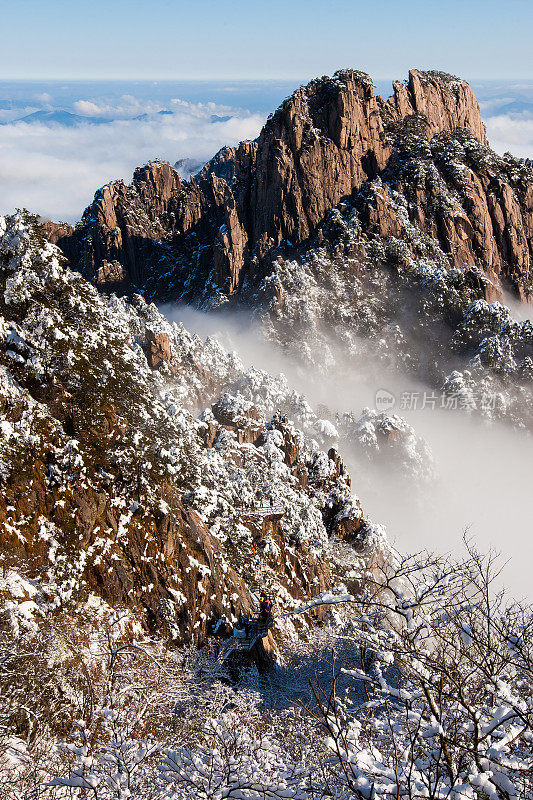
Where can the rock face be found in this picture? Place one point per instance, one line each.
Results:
(329, 140)
(476, 207)
(158, 349)
(445, 102)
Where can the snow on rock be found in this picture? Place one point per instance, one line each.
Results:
(111, 482)
(390, 436)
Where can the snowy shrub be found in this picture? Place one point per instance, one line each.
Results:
(442, 705)
(234, 761)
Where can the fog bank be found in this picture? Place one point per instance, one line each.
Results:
(483, 471)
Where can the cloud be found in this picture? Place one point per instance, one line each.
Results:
(511, 133)
(44, 97)
(87, 108)
(54, 171)
(125, 106)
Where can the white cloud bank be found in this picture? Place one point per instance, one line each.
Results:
(511, 133)
(55, 170)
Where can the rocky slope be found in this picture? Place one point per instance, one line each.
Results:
(114, 493)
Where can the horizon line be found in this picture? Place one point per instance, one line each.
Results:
(40, 79)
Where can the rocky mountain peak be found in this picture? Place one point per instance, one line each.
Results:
(325, 145)
(447, 103)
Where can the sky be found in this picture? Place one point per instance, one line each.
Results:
(295, 39)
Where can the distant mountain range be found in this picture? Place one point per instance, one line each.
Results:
(522, 107)
(69, 120)
(57, 117)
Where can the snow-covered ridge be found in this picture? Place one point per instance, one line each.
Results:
(109, 477)
(358, 301)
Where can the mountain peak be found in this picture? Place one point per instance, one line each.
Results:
(322, 146)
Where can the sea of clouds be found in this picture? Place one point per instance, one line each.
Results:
(53, 166)
(54, 169)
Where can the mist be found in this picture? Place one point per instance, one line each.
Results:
(520, 312)
(483, 471)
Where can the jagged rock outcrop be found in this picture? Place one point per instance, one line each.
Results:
(476, 207)
(445, 102)
(329, 140)
(158, 350)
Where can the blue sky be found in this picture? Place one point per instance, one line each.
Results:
(295, 39)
